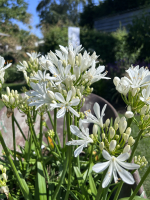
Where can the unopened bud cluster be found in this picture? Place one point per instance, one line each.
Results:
(116, 137)
(140, 161)
(3, 180)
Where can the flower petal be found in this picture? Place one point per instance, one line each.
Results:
(59, 97)
(126, 165)
(108, 176)
(96, 109)
(100, 167)
(76, 142)
(78, 150)
(73, 111)
(123, 157)
(61, 112)
(125, 175)
(106, 155)
(74, 102)
(69, 96)
(75, 130)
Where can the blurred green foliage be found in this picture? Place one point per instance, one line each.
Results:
(138, 36)
(102, 43)
(53, 37)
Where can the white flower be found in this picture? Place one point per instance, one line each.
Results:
(2, 68)
(94, 75)
(84, 135)
(45, 62)
(23, 66)
(92, 119)
(146, 95)
(65, 105)
(123, 86)
(41, 77)
(139, 77)
(60, 73)
(39, 96)
(33, 56)
(116, 165)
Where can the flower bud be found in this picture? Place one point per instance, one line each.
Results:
(116, 127)
(111, 132)
(95, 129)
(13, 92)
(143, 110)
(4, 170)
(131, 141)
(128, 131)
(146, 117)
(103, 135)
(126, 149)
(76, 71)
(51, 94)
(122, 125)
(12, 100)
(129, 108)
(107, 122)
(125, 137)
(129, 114)
(101, 146)
(112, 145)
(25, 64)
(1, 167)
(117, 120)
(4, 176)
(116, 81)
(117, 137)
(8, 90)
(134, 91)
(73, 91)
(71, 58)
(5, 98)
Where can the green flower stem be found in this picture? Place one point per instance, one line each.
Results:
(23, 187)
(20, 128)
(130, 159)
(69, 149)
(55, 127)
(140, 184)
(100, 189)
(105, 193)
(77, 158)
(41, 129)
(62, 177)
(64, 137)
(112, 192)
(135, 145)
(38, 147)
(50, 118)
(56, 147)
(14, 138)
(10, 197)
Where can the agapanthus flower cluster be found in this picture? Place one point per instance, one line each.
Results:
(59, 80)
(13, 99)
(114, 144)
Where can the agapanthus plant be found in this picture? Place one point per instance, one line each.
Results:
(87, 164)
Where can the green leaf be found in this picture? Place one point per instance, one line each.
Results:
(135, 198)
(81, 183)
(41, 182)
(92, 185)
